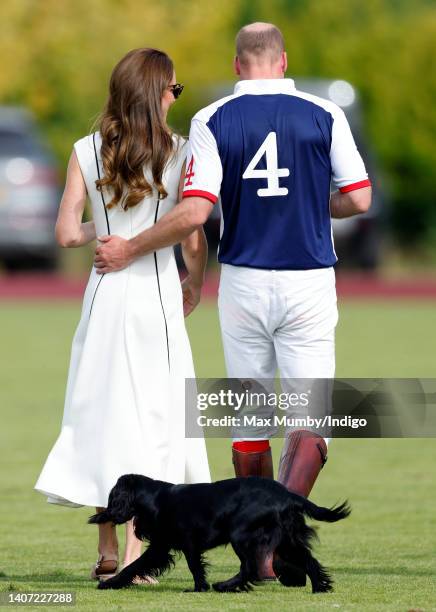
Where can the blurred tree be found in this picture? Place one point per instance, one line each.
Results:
(59, 55)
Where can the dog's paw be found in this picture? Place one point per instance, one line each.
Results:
(221, 587)
(244, 588)
(202, 588)
(324, 584)
(324, 587)
(112, 583)
(289, 575)
(227, 587)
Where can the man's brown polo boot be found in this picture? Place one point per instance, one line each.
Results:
(303, 456)
(256, 463)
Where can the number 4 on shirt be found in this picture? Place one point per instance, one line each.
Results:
(272, 173)
(189, 172)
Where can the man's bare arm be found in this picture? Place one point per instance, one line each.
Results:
(115, 253)
(194, 253)
(351, 203)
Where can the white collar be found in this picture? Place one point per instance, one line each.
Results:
(264, 86)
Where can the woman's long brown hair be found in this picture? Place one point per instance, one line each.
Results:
(133, 130)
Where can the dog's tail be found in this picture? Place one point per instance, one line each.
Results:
(329, 515)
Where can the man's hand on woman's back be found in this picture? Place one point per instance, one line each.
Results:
(112, 254)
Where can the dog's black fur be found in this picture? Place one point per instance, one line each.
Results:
(256, 515)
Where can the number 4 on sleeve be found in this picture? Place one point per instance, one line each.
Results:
(189, 172)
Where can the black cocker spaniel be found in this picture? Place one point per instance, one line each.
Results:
(255, 515)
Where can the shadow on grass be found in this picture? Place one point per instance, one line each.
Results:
(62, 580)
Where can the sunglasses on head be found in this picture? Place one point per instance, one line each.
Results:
(176, 89)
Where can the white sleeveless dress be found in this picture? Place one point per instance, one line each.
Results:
(125, 399)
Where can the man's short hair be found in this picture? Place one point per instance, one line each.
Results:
(258, 42)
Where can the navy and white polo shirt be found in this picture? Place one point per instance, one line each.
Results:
(270, 152)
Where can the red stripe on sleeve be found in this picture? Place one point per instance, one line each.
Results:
(200, 194)
(354, 186)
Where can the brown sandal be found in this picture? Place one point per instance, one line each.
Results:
(104, 568)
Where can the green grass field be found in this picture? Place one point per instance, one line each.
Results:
(382, 557)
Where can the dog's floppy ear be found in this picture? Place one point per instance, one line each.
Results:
(122, 499)
(121, 504)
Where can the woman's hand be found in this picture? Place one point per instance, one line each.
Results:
(191, 295)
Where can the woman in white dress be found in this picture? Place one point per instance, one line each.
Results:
(125, 398)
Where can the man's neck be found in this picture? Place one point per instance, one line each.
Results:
(254, 73)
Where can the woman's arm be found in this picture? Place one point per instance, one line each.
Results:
(70, 231)
(194, 253)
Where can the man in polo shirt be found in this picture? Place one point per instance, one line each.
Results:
(270, 152)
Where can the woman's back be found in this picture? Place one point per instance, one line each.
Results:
(116, 220)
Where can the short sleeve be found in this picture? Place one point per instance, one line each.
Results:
(203, 164)
(348, 169)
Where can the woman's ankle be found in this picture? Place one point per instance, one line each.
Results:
(108, 552)
(130, 558)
